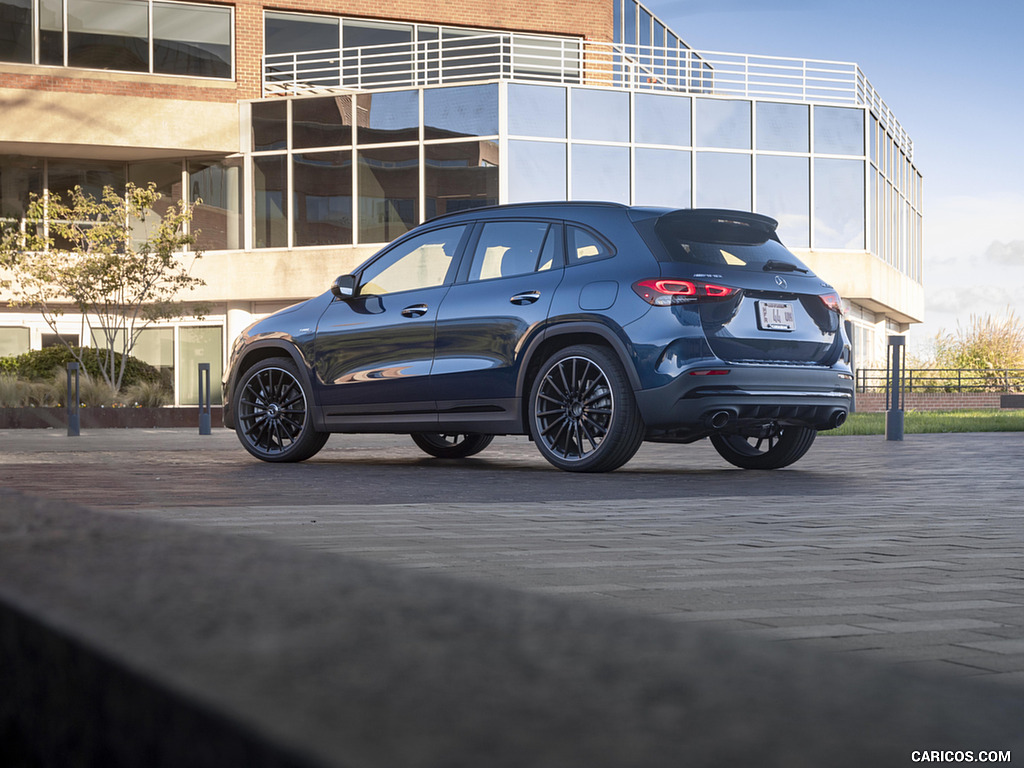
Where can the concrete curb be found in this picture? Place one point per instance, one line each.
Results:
(129, 642)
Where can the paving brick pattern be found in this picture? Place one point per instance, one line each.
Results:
(910, 552)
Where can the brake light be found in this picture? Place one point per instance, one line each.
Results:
(663, 292)
(832, 301)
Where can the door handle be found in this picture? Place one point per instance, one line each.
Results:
(416, 310)
(528, 297)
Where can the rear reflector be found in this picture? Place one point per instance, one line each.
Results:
(711, 372)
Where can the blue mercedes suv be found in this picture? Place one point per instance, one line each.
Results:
(589, 327)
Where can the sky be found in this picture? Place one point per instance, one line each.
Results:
(953, 75)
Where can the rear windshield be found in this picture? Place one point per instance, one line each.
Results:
(721, 243)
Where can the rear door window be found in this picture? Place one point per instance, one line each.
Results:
(508, 248)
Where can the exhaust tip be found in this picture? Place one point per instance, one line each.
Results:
(837, 420)
(719, 419)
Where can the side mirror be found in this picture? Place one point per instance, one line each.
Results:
(344, 287)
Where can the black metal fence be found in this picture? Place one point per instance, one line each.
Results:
(945, 380)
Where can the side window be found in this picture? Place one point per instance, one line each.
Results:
(582, 245)
(507, 248)
(421, 262)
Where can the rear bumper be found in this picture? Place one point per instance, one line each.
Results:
(695, 403)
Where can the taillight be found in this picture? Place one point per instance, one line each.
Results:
(832, 301)
(663, 292)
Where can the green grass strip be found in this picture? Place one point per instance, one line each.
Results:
(920, 422)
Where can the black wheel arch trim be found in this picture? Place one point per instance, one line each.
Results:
(576, 327)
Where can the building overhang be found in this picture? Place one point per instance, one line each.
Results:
(866, 280)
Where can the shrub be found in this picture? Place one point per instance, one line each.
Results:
(147, 395)
(13, 391)
(39, 365)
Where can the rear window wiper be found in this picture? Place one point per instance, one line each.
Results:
(782, 266)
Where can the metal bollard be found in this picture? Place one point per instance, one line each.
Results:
(894, 389)
(204, 399)
(73, 402)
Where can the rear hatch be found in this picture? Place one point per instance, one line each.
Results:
(763, 305)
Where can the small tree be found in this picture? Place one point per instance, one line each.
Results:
(115, 260)
(988, 344)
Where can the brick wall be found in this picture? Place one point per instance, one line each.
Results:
(591, 19)
(873, 402)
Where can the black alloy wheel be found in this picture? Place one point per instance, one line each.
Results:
(583, 414)
(445, 445)
(272, 418)
(772, 448)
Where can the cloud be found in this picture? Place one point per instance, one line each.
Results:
(1011, 253)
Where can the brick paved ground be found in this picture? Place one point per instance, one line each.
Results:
(902, 551)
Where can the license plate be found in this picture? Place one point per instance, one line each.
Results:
(775, 316)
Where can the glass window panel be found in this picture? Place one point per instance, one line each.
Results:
(322, 200)
(873, 130)
(584, 245)
(838, 204)
(269, 125)
(723, 123)
(16, 30)
(470, 54)
(463, 111)
(838, 131)
(723, 180)
(167, 177)
(51, 32)
(217, 220)
(783, 127)
(289, 33)
(422, 261)
(460, 176)
(200, 344)
(629, 21)
(14, 341)
(661, 177)
(191, 40)
(387, 117)
(384, 55)
(63, 176)
(389, 192)
(536, 110)
(156, 347)
(784, 193)
(661, 119)
(108, 34)
(20, 177)
(644, 27)
(508, 248)
(600, 173)
(270, 187)
(323, 122)
(600, 115)
(545, 58)
(536, 171)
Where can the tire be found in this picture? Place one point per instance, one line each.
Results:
(272, 413)
(777, 447)
(446, 445)
(583, 414)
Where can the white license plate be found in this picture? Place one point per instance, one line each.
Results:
(776, 316)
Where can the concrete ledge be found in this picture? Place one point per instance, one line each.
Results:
(127, 642)
(107, 418)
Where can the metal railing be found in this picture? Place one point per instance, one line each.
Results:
(944, 380)
(511, 56)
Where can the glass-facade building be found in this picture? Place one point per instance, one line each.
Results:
(361, 129)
